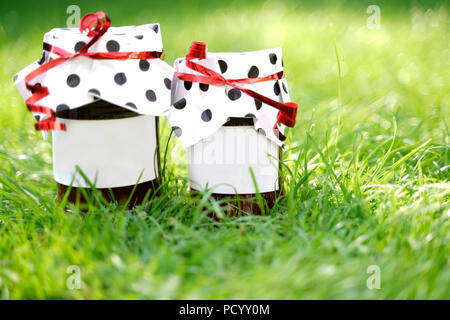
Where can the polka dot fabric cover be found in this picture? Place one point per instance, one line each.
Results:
(138, 85)
(198, 110)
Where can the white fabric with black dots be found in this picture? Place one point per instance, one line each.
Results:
(198, 110)
(142, 86)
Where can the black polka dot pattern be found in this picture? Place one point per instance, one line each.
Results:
(180, 104)
(258, 104)
(261, 131)
(73, 80)
(253, 72)
(284, 87)
(38, 118)
(79, 45)
(223, 66)
(187, 85)
(273, 58)
(234, 94)
(155, 28)
(120, 78)
(250, 115)
(276, 88)
(150, 95)
(15, 78)
(62, 107)
(204, 87)
(144, 65)
(206, 115)
(139, 37)
(94, 92)
(112, 46)
(177, 131)
(168, 83)
(131, 105)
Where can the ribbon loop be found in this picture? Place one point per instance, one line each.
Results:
(93, 23)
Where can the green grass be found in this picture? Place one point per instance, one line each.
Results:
(367, 170)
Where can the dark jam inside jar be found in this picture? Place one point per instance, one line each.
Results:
(247, 203)
(97, 110)
(103, 110)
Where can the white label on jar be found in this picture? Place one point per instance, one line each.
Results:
(111, 153)
(222, 162)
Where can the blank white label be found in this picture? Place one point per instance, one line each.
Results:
(111, 153)
(222, 161)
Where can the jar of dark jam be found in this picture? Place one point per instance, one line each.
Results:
(106, 148)
(231, 181)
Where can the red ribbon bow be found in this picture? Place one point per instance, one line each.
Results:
(96, 25)
(287, 111)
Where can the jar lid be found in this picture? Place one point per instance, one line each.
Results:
(140, 86)
(198, 109)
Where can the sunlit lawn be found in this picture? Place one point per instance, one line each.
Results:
(368, 169)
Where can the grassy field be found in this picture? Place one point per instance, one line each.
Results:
(367, 166)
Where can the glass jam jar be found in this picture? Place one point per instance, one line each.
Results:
(106, 148)
(222, 163)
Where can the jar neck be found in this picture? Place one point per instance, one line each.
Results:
(97, 110)
(239, 122)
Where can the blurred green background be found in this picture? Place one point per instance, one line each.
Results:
(368, 159)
